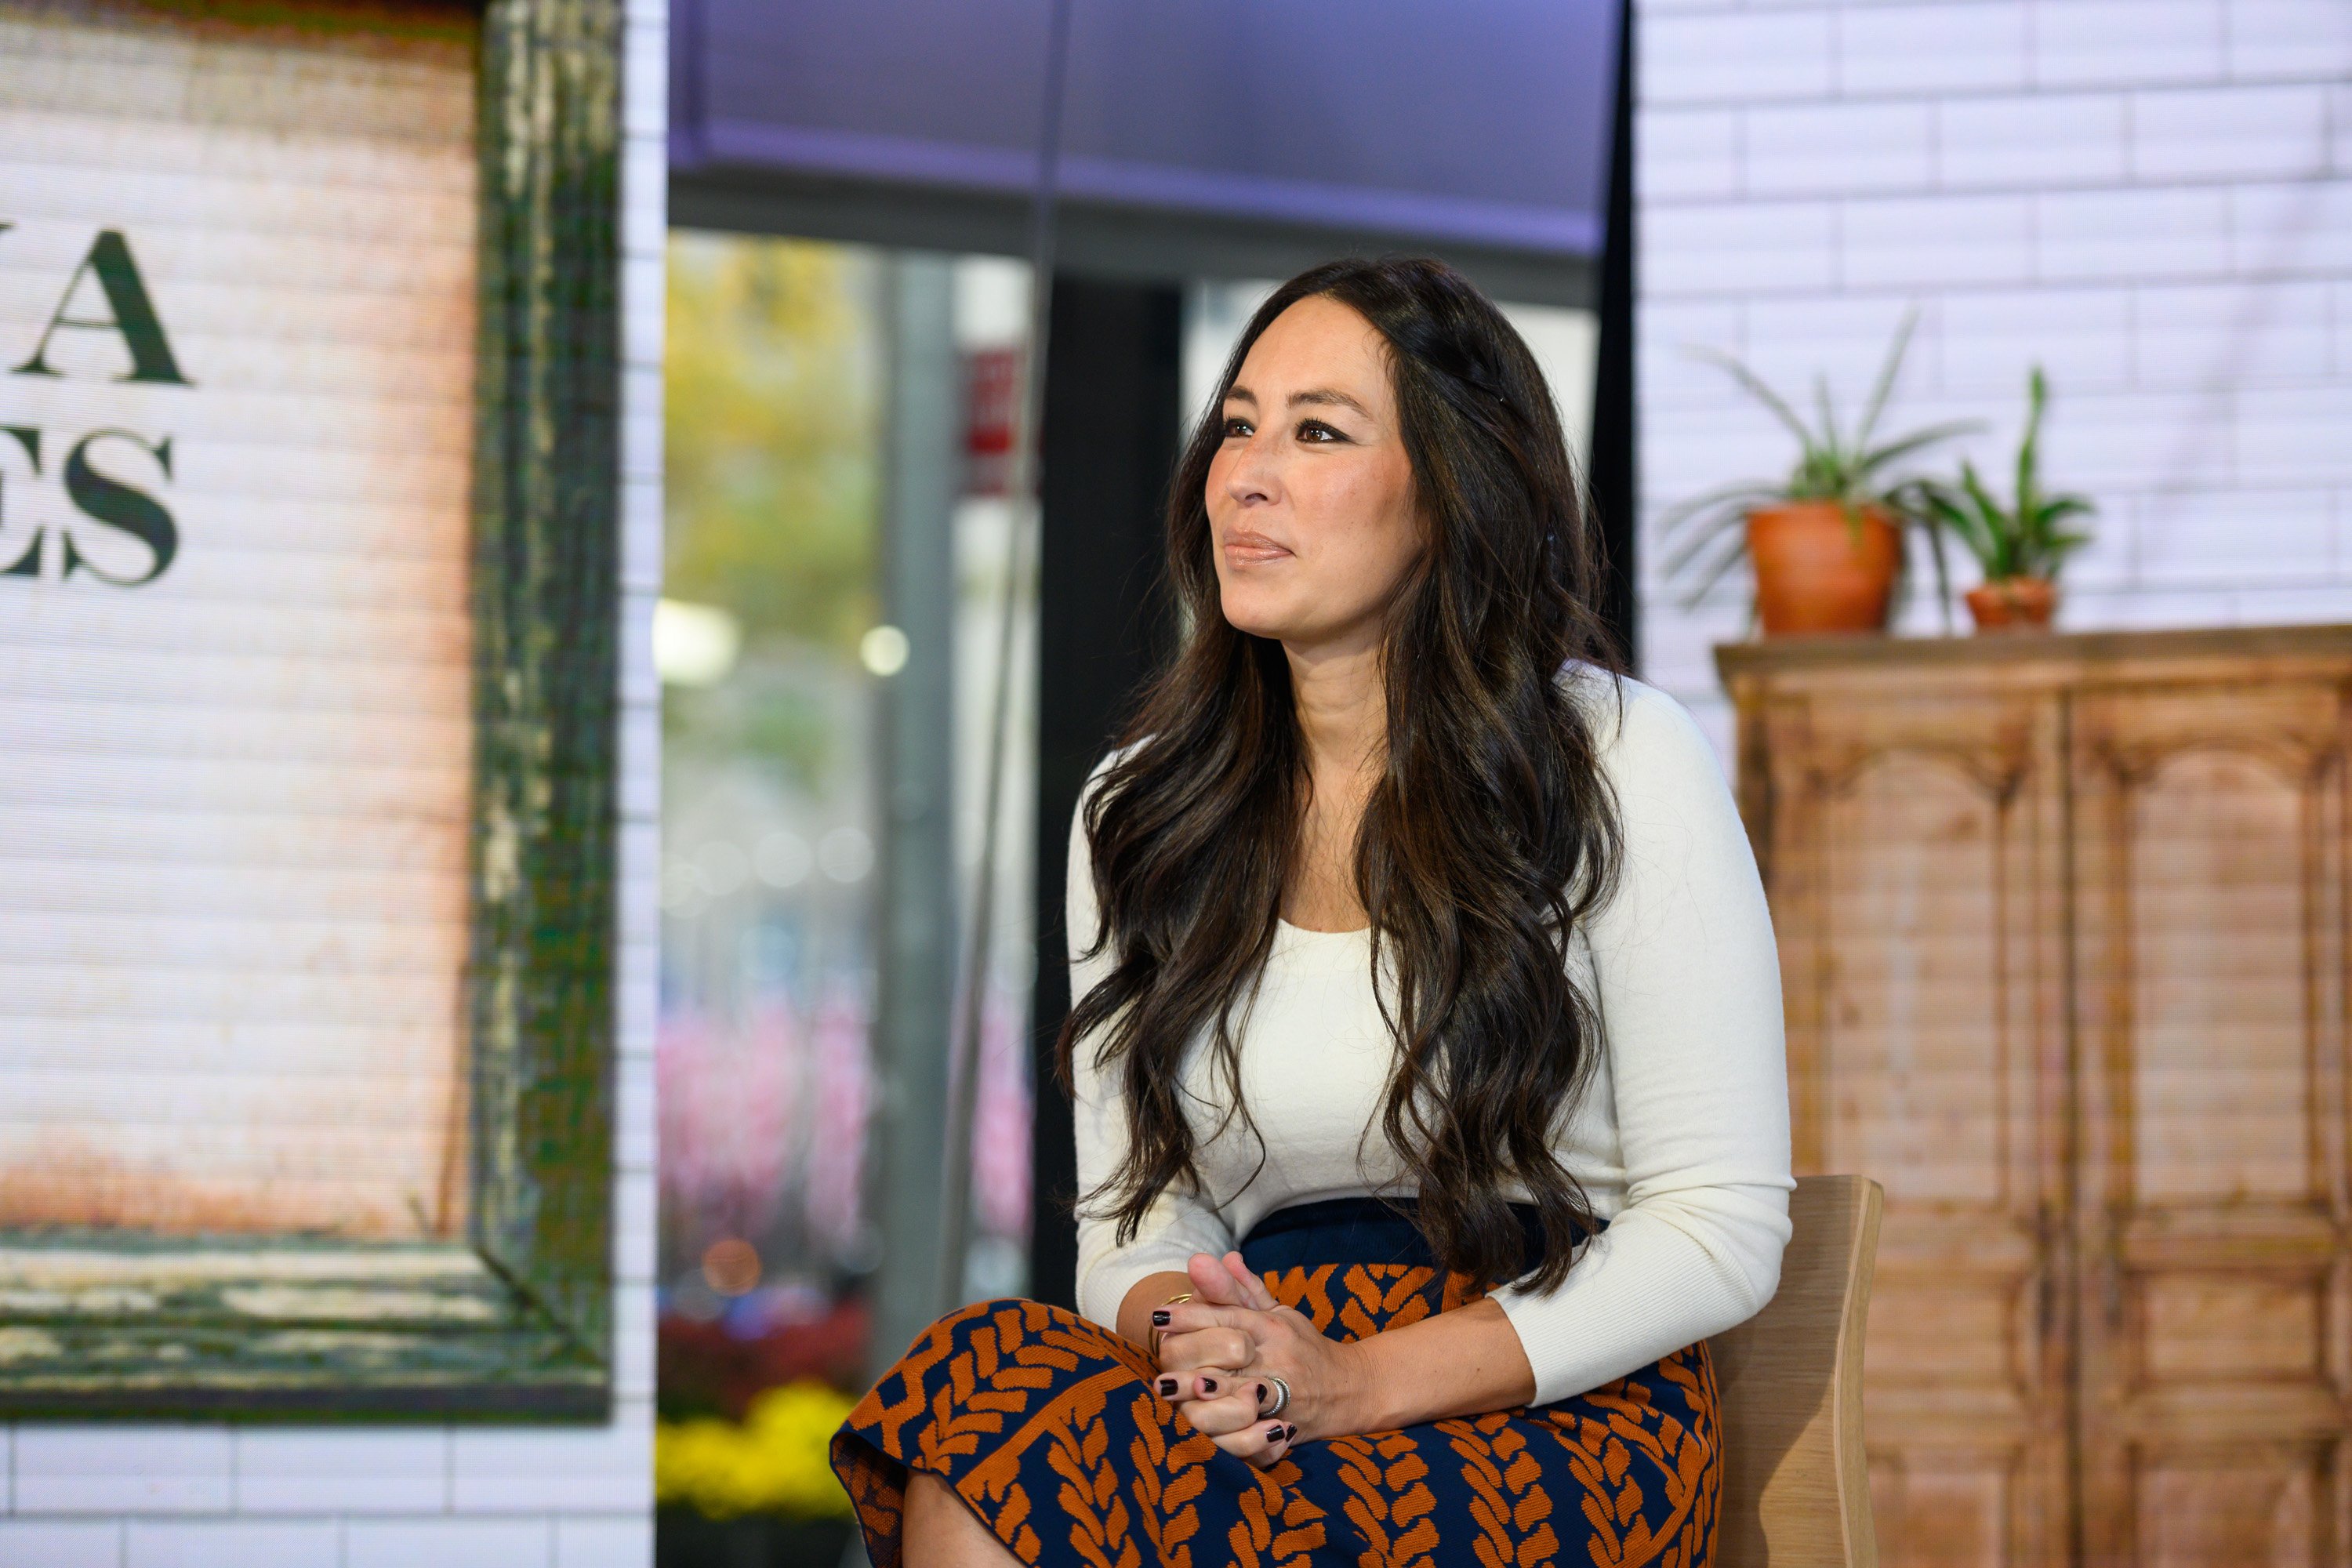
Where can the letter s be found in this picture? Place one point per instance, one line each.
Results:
(118, 505)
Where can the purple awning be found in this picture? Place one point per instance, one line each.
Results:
(1479, 122)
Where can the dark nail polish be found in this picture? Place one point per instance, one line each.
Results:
(1168, 1387)
(1262, 1394)
(1288, 1433)
(1158, 1319)
(1208, 1385)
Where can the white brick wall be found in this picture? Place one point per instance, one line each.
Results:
(202, 1496)
(2152, 198)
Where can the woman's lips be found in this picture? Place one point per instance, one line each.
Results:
(1252, 547)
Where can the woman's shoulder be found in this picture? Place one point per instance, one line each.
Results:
(1079, 849)
(1101, 769)
(1637, 728)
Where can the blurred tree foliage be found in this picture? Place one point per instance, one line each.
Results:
(775, 365)
(773, 373)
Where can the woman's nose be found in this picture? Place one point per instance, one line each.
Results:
(1251, 476)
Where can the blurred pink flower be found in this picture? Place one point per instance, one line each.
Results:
(1000, 1133)
(841, 1098)
(727, 1100)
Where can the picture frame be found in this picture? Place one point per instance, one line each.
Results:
(513, 1323)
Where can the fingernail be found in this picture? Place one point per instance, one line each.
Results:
(1208, 1385)
(1288, 1433)
(1261, 1394)
(1158, 1319)
(1168, 1387)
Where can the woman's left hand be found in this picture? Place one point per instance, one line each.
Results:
(1218, 1351)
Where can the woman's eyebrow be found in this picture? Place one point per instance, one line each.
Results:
(1324, 397)
(1329, 396)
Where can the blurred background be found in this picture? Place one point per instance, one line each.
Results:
(2042, 302)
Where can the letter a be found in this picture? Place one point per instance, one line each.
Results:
(134, 314)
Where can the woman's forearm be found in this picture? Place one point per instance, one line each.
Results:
(1462, 1363)
(1151, 1290)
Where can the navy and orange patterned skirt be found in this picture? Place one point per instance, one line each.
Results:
(1047, 1425)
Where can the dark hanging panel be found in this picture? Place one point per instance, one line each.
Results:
(1110, 435)
(1614, 473)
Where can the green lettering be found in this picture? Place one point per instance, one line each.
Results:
(133, 315)
(118, 505)
(28, 565)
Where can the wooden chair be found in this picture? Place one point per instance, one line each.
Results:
(1795, 1492)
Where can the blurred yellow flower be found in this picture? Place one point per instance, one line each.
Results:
(775, 1462)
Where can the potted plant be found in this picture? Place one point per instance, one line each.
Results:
(1826, 542)
(2020, 546)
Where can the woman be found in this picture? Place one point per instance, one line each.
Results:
(1424, 954)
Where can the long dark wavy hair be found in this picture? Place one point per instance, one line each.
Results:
(1488, 837)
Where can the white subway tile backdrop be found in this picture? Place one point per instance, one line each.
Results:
(1912, 51)
(361, 1472)
(2106, 236)
(2128, 43)
(2289, 40)
(446, 1543)
(1730, 249)
(62, 1543)
(2081, 336)
(1935, 241)
(1690, 155)
(2274, 131)
(2150, 198)
(195, 1495)
(233, 1543)
(1836, 148)
(2026, 142)
(1725, 56)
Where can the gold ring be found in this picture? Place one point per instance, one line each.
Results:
(1172, 1301)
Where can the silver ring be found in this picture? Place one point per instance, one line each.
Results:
(1281, 1398)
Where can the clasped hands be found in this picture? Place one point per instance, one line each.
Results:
(1218, 1351)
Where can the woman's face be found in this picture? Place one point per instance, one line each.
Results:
(1311, 509)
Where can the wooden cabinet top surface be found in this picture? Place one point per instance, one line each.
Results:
(2045, 658)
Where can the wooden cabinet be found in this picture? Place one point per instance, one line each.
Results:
(2064, 940)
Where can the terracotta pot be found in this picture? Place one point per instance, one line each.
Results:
(1815, 572)
(2014, 604)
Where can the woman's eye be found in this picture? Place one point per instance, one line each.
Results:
(1317, 431)
(1237, 427)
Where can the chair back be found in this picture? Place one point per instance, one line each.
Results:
(1796, 1493)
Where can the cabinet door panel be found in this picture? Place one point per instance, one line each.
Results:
(1913, 864)
(2209, 832)
(2213, 1229)
(1944, 1510)
(2218, 1508)
(1912, 1047)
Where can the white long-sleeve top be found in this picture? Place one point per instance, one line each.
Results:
(1681, 1139)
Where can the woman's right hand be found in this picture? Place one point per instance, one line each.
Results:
(1220, 1405)
(1225, 1410)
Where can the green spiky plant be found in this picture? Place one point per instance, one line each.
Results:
(2021, 539)
(1707, 535)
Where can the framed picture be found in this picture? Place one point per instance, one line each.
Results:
(308, 694)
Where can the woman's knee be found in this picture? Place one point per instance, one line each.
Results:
(941, 1532)
(996, 1305)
